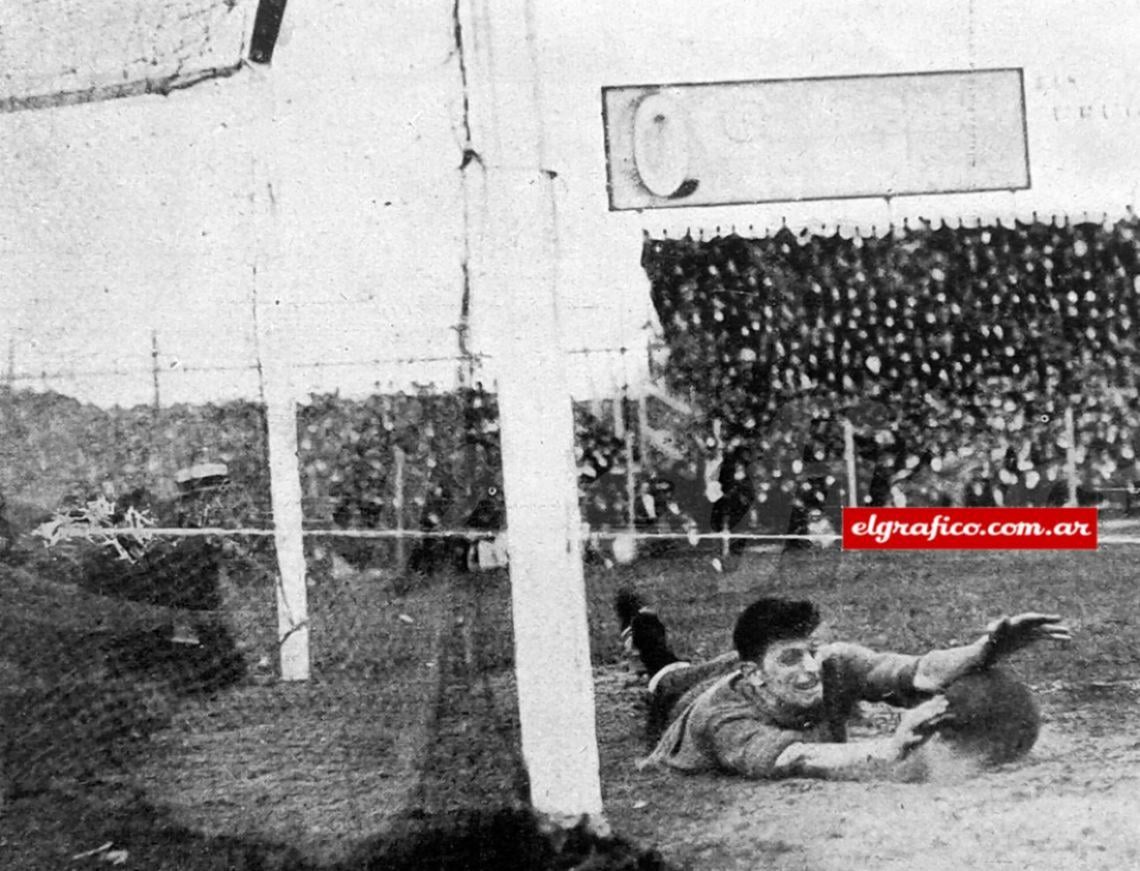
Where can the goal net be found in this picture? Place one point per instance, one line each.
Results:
(59, 52)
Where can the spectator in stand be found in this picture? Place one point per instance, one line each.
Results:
(737, 492)
(958, 318)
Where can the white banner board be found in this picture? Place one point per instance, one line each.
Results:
(821, 138)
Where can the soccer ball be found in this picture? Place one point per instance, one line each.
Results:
(995, 717)
(995, 721)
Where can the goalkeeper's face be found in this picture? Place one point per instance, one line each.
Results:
(791, 672)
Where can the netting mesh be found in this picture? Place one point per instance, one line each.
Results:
(141, 703)
(57, 50)
(147, 665)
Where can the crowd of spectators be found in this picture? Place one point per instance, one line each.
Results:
(955, 352)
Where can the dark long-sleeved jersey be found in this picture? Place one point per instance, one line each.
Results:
(716, 725)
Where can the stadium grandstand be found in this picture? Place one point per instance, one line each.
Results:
(970, 342)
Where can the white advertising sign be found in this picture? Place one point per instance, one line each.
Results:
(815, 138)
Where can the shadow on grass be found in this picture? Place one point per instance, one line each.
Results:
(64, 829)
(504, 839)
(72, 745)
(93, 722)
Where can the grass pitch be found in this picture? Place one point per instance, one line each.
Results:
(411, 714)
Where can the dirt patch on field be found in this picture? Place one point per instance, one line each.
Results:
(1071, 804)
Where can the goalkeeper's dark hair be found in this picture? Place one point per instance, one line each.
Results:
(768, 620)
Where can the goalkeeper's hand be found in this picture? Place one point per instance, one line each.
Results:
(1007, 635)
(919, 723)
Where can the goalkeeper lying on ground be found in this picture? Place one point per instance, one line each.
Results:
(780, 705)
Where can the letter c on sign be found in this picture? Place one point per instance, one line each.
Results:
(661, 147)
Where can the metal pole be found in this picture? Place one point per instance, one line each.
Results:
(154, 368)
(273, 270)
(285, 494)
(630, 475)
(643, 425)
(849, 456)
(514, 251)
(618, 416)
(399, 458)
(1071, 454)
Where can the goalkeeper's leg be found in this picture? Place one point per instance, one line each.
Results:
(670, 677)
